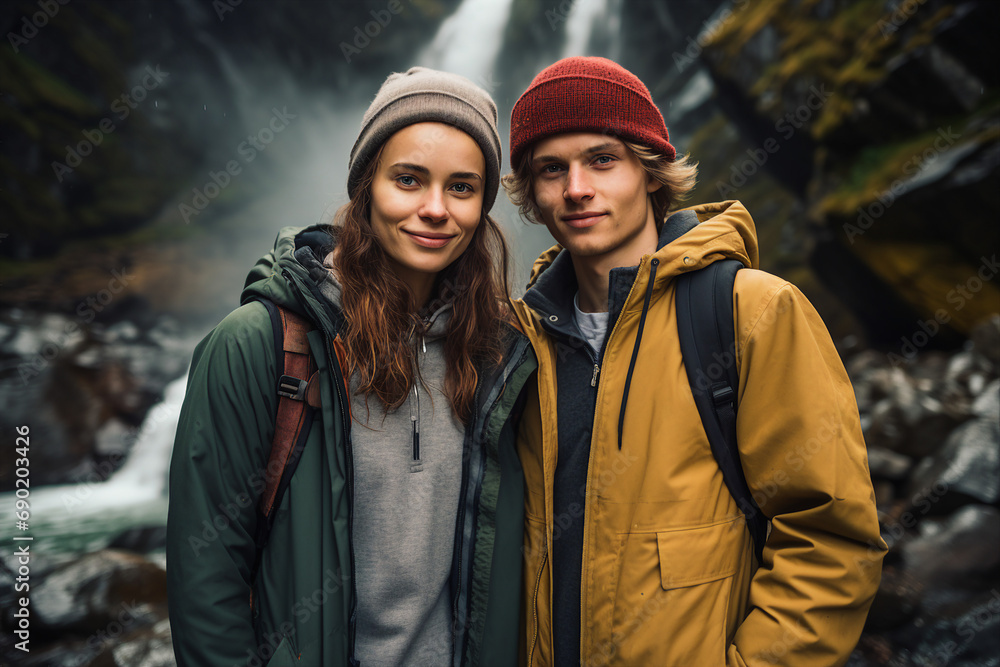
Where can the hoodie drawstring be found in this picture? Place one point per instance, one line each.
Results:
(415, 419)
(635, 350)
(415, 463)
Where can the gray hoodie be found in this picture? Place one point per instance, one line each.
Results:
(407, 479)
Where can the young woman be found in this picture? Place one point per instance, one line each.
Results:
(397, 540)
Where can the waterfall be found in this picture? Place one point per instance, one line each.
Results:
(144, 473)
(69, 518)
(469, 41)
(592, 20)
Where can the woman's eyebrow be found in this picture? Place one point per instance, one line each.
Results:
(424, 170)
(410, 166)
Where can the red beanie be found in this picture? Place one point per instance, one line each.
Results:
(587, 94)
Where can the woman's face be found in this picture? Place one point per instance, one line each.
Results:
(427, 199)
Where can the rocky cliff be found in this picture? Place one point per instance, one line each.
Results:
(882, 122)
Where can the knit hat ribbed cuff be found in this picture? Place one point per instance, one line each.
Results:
(587, 94)
(426, 95)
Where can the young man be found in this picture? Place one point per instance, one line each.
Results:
(635, 551)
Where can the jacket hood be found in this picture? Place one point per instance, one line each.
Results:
(690, 239)
(297, 255)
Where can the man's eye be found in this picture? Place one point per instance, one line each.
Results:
(604, 159)
(551, 168)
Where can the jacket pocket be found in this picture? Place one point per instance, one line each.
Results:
(673, 594)
(699, 555)
(283, 655)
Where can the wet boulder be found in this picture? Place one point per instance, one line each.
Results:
(906, 414)
(967, 468)
(887, 464)
(986, 338)
(108, 591)
(141, 539)
(146, 647)
(956, 551)
(961, 633)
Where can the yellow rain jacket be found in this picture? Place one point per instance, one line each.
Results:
(669, 577)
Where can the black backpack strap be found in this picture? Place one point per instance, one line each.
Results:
(298, 398)
(705, 326)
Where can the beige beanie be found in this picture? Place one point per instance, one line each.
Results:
(419, 95)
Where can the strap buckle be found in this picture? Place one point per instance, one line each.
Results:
(291, 387)
(723, 395)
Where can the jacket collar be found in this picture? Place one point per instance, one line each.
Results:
(553, 291)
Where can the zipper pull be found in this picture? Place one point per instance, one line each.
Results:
(423, 344)
(593, 380)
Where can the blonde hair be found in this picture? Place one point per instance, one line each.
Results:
(678, 178)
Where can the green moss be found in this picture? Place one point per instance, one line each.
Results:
(732, 35)
(117, 24)
(34, 84)
(10, 117)
(717, 147)
(847, 51)
(431, 9)
(878, 166)
(153, 235)
(925, 274)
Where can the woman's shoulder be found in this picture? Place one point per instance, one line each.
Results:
(243, 337)
(251, 318)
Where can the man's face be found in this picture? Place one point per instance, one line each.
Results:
(592, 194)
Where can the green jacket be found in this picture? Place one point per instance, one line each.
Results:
(304, 594)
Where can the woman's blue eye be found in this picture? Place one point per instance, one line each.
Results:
(406, 180)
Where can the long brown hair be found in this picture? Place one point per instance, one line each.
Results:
(379, 327)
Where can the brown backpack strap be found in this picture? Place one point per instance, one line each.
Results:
(297, 388)
(298, 396)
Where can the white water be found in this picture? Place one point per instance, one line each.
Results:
(588, 17)
(68, 518)
(469, 41)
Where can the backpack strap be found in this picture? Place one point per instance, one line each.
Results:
(298, 398)
(705, 325)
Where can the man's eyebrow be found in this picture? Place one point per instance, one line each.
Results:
(609, 145)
